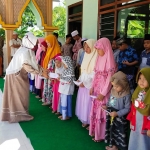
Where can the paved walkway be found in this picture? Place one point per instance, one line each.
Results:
(12, 136)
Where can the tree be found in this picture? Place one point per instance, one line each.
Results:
(59, 19)
(28, 18)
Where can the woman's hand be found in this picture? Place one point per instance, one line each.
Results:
(100, 97)
(91, 91)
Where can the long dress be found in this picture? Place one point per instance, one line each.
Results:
(56, 95)
(84, 101)
(48, 85)
(97, 115)
(16, 96)
(137, 140)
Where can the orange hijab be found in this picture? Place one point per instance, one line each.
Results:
(52, 51)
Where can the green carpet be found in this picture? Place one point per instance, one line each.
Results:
(47, 132)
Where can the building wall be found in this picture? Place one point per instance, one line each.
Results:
(89, 18)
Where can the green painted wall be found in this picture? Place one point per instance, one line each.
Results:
(90, 17)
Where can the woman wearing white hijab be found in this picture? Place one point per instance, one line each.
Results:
(83, 104)
(16, 88)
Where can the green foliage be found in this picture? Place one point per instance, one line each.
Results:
(37, 33)
(2, 32)
(28, 18)
(136, 29)
(59, 19)
(22, 31)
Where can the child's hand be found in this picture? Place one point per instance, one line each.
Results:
(46, 70)
(125, 62)
(100, 97)
(91, 91)
(81, 85)
(104, 107)
(148, 133)
(45, 75)
(113, 114)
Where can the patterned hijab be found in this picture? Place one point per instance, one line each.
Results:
(89, 60)
(146, 110)
(52, 51)
(68, 74)
(120, 79)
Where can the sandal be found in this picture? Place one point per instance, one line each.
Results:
(45, 104)
(97, 140)
(57, 113)
(53, 112)
(107, 147)
(37, 96)
(67, 118)
(84, 125)
(60, 117)
(111, 148)
(87, 128)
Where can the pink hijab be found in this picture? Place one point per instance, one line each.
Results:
(105, 63)
(39, 50)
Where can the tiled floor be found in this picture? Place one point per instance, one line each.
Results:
(12, 136)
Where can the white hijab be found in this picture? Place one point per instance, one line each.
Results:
(89, 60)
(24, 55)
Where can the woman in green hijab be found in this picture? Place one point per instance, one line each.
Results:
(139, 115)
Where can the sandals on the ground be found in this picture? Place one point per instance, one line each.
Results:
(97, 140)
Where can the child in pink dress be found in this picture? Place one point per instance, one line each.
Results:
(56, 95)
(105, 67)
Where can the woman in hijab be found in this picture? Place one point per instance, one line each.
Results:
(83, 104)
(105, 67)
(16, 88)
(53, 51)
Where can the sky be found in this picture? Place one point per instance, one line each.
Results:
(57, 3)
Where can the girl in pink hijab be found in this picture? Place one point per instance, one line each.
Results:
(105, 67)
(38, 79)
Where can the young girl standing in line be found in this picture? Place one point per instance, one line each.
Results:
(104, 69)
(139, 115)
(83, 104)
(56, 95)
(66, 88)
(118, 106)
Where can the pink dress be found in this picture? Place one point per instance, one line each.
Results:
(56, 95)
(105, 67)
(97, 115)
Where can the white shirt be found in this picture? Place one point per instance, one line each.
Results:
(66, 89)
(13, 41)
(87, 79)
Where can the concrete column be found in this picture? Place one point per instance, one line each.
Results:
(8, 35)
(49, 12)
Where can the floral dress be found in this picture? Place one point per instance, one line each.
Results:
(48, 85)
